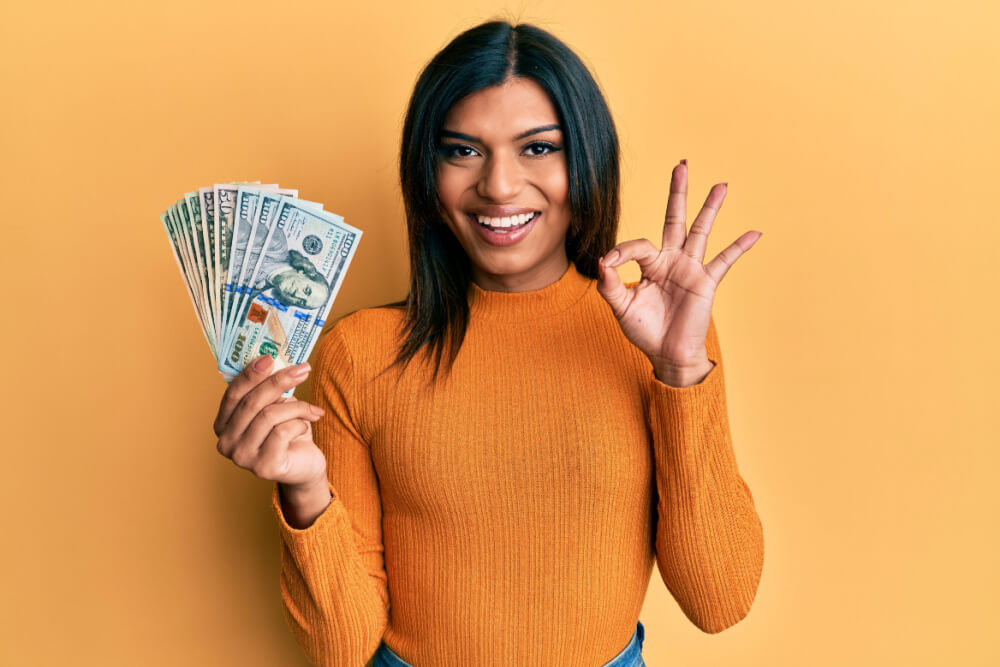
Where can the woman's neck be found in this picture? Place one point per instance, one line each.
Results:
(537, 278)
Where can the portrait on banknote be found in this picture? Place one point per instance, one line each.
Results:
(287, 275)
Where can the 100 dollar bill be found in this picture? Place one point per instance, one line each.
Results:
(305, 257)
(247, 247)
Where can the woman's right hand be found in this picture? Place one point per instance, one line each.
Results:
(269, 435)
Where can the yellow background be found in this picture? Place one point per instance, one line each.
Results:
(859, 334)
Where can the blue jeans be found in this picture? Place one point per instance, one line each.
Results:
(630, 656)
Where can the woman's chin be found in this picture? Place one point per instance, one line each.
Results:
(499, 270)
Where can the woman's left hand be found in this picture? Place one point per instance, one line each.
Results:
(667, 314)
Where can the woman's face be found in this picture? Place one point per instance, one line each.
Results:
(503, 185)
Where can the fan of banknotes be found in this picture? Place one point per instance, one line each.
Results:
(262, 268)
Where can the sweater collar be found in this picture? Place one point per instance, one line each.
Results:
(516, 306)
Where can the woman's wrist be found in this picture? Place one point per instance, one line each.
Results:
(684, 377)
(303, 503)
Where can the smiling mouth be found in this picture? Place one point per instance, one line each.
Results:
(504, 225)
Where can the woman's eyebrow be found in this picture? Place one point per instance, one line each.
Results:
(528, 133)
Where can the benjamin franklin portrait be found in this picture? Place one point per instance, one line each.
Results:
(286, 275)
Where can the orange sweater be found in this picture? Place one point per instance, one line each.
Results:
(512, 514)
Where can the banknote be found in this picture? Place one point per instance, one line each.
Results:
(181, 220)
(242, 220)
(261, 268)
(206, 197)
(225, 205)
(201, 243)
(306, 255)
(247, 247)
(192, 238)
(179, 254)
(224, 220)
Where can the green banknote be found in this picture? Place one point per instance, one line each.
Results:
(183, 223)
(298, 274)
(261, 208)
(261, 268)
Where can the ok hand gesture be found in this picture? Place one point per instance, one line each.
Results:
(667, 314)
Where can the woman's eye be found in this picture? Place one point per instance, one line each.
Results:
(539, 148)
(456, 150)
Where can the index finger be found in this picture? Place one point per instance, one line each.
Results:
(254, 373)
(675, 223)
(262, 394)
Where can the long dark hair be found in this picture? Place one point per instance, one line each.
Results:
(437, 307)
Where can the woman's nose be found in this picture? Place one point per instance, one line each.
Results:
(501, 179)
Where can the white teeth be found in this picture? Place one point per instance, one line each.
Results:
(512, 221)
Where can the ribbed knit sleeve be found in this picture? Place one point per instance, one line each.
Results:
(333, 582)
(709, 538)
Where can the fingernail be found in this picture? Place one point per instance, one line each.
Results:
(684, 162)
(300, 370)
(727, 185)
(611, 258)
(318, 411)
(262, 363)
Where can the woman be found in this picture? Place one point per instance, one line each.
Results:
(500, 458)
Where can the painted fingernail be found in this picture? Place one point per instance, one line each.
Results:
(262, 363)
